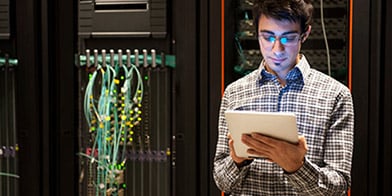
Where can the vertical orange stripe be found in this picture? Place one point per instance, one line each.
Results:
(350, 55)
(222, 52)
(350, 47)
(222, 46)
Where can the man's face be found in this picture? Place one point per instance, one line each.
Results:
(280, 43)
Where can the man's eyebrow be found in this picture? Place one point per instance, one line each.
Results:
(272, 33)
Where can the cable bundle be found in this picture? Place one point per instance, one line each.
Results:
(112, 107)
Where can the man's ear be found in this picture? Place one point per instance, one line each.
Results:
(306, 34)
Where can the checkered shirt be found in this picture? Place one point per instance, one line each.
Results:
(325, 116)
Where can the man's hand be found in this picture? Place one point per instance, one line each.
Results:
(237, 160)
(287, 155)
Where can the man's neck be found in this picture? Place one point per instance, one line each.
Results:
(280, 75)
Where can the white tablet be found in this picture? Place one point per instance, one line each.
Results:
(280, 125)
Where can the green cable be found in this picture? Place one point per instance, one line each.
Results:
(9, 175)
(108, 136)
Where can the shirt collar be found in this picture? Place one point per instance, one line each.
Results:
(298, 73)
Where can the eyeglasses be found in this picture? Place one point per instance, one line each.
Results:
(269, 40)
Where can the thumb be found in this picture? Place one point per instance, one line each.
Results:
(302, 142)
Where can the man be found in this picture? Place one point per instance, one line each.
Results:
(320, 163)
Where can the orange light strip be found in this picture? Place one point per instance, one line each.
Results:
(222, 53)
(350, 46)
(222, 46)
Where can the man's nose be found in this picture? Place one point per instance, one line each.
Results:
(277, 46)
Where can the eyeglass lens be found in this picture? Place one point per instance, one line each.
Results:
(285, 39)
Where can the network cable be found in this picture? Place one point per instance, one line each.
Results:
(325, 36)
(111, 117)
(9, 175)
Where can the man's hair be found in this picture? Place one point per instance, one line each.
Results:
(285, 10)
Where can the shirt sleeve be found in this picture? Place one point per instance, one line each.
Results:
(226, 173)
(333, 176)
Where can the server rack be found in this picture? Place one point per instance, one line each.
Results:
(9, 174)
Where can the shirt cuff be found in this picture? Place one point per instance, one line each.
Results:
(239, 171)
(304, 176)
(244, 163)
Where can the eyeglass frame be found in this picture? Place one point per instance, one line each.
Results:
(268, 42)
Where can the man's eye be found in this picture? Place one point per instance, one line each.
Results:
(290, 38)
(269, 38)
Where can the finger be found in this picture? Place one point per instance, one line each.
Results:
(231, 145)
(255, 143)
(264, 139)
(302, 140)
(262, 154)
(249, 140)
(260, 147)
(233, 154)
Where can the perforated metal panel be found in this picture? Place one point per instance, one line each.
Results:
(5, 19)
(122, 18)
